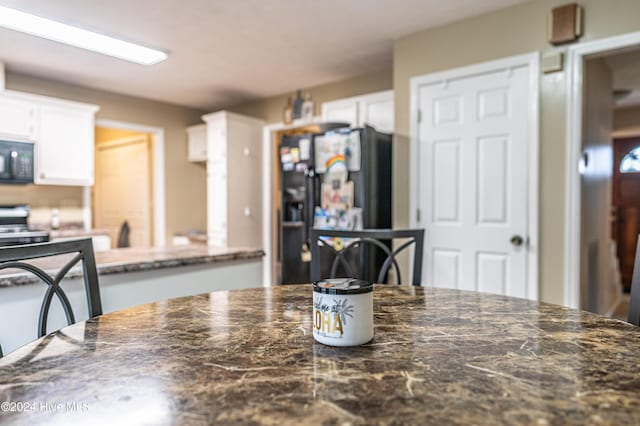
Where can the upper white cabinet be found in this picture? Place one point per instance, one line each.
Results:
(65, 145)
(17, 118)
(197, 136)
(344, 110)
(62, 131)
(234, 179)
(375, 109)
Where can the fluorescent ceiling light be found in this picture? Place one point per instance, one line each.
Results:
(56, 31)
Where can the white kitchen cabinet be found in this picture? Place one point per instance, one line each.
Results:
(375, 109)
(65, 144)
(197, 138)
(17, 118)
(343, 111)
(234, 180)
(62, 132)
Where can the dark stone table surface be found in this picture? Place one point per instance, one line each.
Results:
(248, 357)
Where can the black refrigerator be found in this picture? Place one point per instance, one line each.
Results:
(306, 168)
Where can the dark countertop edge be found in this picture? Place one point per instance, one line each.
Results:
(15, 280)
(116, 268)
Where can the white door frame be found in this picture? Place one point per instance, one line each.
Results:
(533, 62)
(267, 167)
(159, 211)
(573, 200)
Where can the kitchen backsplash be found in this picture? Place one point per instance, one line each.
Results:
(43, 199)
(68, 217)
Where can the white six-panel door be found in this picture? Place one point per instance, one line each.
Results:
(473, 137)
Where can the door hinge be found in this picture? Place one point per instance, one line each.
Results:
(419, 116)
(417, 215)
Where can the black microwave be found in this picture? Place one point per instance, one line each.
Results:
(16, 162)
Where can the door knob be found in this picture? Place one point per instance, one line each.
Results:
(517, 240)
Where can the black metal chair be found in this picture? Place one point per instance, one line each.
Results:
(634, 303)
(15, 257)
(374, 248)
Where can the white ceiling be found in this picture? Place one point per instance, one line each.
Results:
(223, 52)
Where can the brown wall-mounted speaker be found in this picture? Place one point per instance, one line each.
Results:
(565, 23)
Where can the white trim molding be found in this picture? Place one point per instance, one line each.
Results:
(266, 202)
(2, 77)
(575, 61)
(532, 61)
(159, 205)
(267, 169)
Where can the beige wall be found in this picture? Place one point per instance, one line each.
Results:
(185, 182)
(512, 31)
(626, 122)
(595, 277)
(270, 109)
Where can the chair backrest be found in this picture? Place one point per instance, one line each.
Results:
(634, 303)
(15, 257)
(374, 253)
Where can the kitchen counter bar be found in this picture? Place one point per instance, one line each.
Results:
(139, 260)
(128, 277)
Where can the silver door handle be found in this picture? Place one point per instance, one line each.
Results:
(517, 240)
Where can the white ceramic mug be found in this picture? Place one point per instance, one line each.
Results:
(343, 312)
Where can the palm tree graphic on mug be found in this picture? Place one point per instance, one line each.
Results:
(331, 318)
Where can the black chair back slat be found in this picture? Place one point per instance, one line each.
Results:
(378, 239)
(14, 257)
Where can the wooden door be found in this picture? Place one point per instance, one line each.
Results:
(123, 188)
(473, 179)
(626, 208)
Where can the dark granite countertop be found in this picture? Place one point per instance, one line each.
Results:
(138, 259)
(439, 357)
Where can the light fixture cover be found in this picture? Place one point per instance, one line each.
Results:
(63, 33)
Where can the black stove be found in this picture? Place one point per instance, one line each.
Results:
(14, 228)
